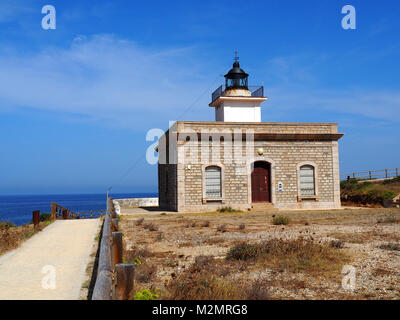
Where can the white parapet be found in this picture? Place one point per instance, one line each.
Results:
(134, 203)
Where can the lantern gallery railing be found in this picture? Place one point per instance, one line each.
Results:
(256, 91)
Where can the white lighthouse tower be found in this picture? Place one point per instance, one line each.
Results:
(235, 102)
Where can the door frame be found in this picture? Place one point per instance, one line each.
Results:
(266, 166)
(272, 181)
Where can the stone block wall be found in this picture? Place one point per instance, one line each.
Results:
(285, 158)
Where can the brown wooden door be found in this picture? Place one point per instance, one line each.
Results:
(260, 182)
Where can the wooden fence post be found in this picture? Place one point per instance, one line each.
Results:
(124, 281)
(36, 218)
(65, 214)
(53, 211)
(116, 248)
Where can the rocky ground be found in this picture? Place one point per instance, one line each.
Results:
(165, 245)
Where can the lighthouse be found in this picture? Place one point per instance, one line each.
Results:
(236, 101)
(268, 166)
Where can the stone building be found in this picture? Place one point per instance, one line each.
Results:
(240, 162)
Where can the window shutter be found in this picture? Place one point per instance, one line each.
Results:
(307, 184)
(213, 182)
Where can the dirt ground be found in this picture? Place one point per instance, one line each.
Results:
(165, 245)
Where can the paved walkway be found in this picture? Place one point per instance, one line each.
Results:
(63, 247)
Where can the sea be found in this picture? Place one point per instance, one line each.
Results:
(18, 208)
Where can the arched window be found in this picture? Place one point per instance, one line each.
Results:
(307, 181)
(213, 182)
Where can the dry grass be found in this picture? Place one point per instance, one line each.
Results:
(364, 237)
(360, 237)
(11, 236)
(389, 219)
(131, 255)
(259, 290)
(186, 244)
(214, 241)
(296, 255)
(190, 255)
(206, 280)
(203, 286)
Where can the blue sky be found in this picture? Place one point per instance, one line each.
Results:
(76, 102)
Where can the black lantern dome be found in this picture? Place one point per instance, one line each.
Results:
(236, 78)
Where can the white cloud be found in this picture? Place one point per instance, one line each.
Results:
(103, 77)
(296, 88)
(380, 105)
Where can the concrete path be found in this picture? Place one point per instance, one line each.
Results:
(61, 250)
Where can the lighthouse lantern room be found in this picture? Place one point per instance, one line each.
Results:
(236, 101)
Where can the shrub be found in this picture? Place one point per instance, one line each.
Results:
(150, 226)
(144, 272)
(203, 263)
(206, 224)
(221, 228)
(226, 209)
(145, 295)
(242, 226)
(45, 217)
(348, 183)
(243, 251)
(159, 236)
(338, 244)
(390, 181)
(280, 220)
(366, 193)
(388, 195)
(258, 291)
(6, 225)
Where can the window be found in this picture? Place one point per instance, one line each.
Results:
(307, 181)
(213, 182)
